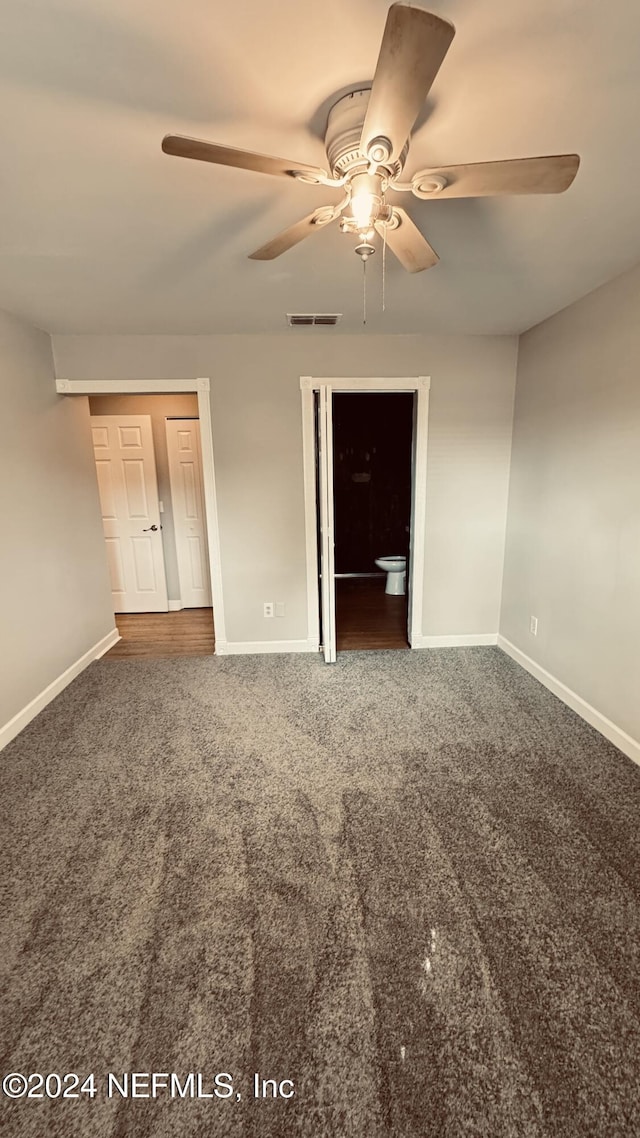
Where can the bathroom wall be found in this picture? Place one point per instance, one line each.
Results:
(372, 477)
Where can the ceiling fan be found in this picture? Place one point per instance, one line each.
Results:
(367, 142)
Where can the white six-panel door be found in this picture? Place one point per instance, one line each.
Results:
(126, 470)
(187, 500)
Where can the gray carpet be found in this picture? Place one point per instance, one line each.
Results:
(409, 883)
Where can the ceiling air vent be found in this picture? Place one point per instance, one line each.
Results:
(317, 319)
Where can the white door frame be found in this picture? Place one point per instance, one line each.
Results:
(327, 531)
(201, 387)
(420, 385)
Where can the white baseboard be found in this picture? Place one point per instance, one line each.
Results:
(259, 647)
(175, 606)
(615, 735)
(19, 721)
(472, 640)
(107, 642)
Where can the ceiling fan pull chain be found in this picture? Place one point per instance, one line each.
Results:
(384, 258)
(364, 290)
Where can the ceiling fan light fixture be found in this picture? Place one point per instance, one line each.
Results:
(365, 208)
(366, 200)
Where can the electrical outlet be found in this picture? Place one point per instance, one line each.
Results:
(279, 608)
(267, 608)
(533, 625)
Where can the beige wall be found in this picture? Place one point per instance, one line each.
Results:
(159, 407)
(573, 543)
(256, 410)
(53, 579)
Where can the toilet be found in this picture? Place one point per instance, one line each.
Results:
(396, 570)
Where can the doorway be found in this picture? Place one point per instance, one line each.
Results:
(149, 470)
(372, 453)
(341, 545)
(201, 387)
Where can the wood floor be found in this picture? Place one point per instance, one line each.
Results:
(367, 617)
(155, 634)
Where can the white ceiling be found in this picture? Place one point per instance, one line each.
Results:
(101, 232)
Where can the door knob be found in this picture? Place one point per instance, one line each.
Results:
(152, 528)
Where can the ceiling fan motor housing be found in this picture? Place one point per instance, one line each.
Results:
(343, 134)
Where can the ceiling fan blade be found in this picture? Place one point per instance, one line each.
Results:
(295, 233)
(413, 47)
(182, 147)
(551, 174)
(406, 241)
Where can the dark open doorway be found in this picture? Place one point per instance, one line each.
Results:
(372, 463)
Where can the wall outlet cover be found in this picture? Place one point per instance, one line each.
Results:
(268, 609)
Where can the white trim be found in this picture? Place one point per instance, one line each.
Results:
(469, 640)
(615, 734)
(211, 507)
(107, 642)
(417, 534)
(326, 504)
(36, 705)
(260, 647)
(310, 524)
(420, 384)
(130, 386)
(202, 387)
(366, 383)
(175, 606)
